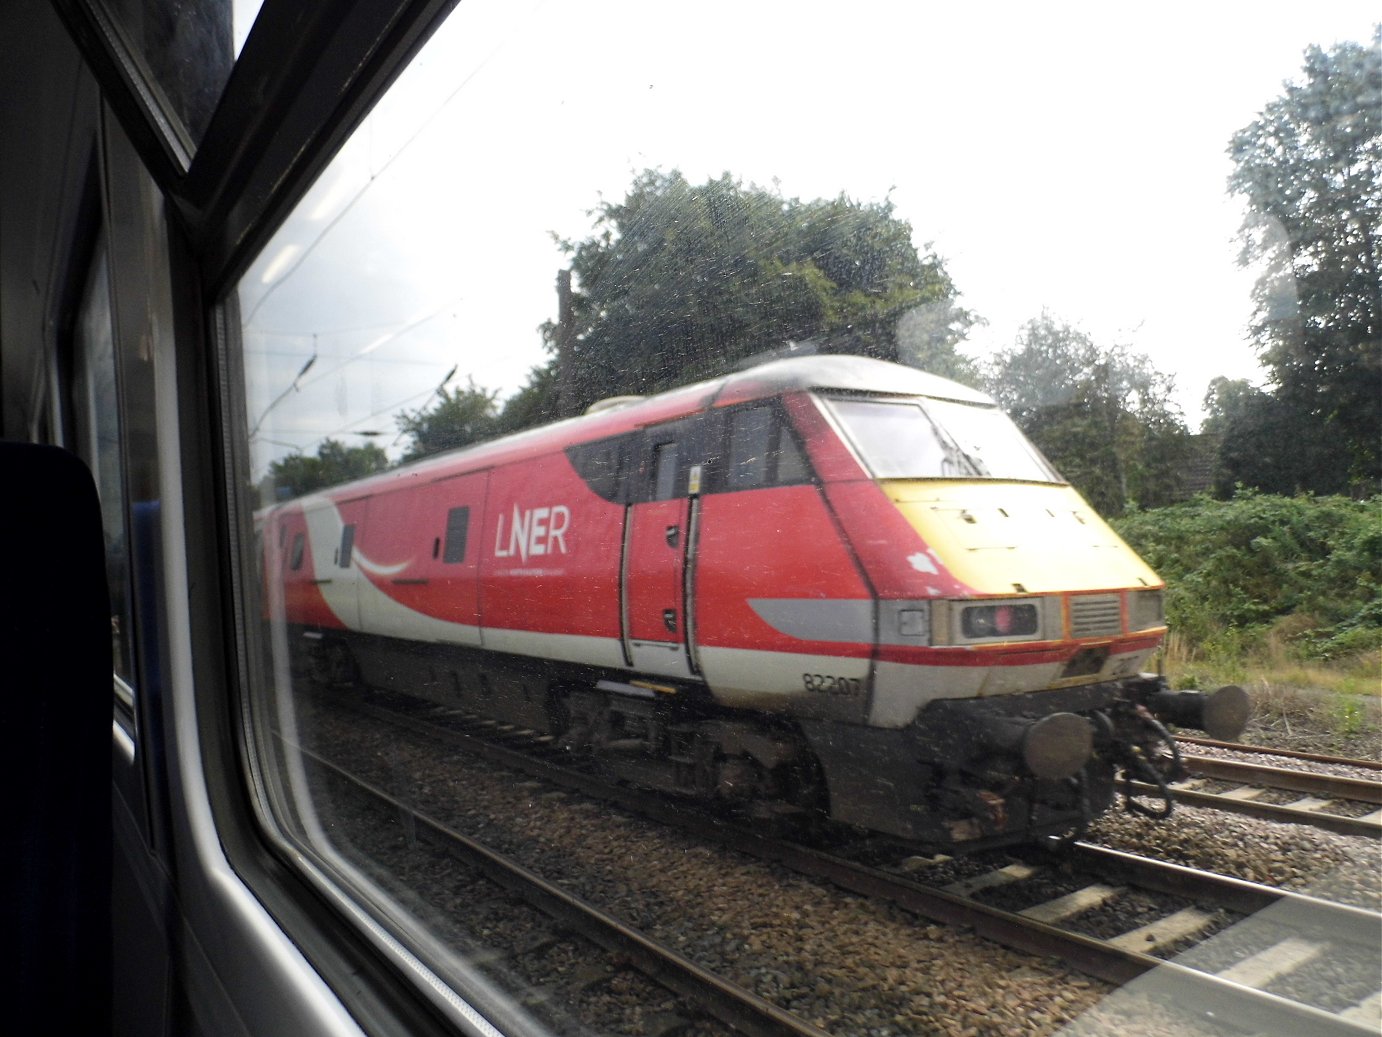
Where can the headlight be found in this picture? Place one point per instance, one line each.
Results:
(904, 623)
(993, 621)
(914, 622)
(1146, 609)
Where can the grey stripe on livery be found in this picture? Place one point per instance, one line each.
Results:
(811, 619)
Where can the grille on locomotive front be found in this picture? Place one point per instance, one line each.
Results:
(1096, 615)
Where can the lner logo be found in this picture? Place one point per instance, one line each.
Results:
(534, 531)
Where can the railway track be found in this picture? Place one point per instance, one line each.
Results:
(1286, 934)
(1320, 799)
(1299, 930)
(712, 995)
(1290, 754)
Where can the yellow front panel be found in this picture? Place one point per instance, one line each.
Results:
(1018, 538)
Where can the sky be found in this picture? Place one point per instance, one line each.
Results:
(1068, 158)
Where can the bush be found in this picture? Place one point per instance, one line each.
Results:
(1240, 572)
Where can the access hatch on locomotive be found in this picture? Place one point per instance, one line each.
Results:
(826, 583)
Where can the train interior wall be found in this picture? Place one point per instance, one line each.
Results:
(70, 184)
(50, 202)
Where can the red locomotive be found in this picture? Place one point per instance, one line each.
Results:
(825, 584)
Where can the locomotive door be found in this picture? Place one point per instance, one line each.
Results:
(657, 543)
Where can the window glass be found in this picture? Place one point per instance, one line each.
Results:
(137, 309)
(791, 464)
(749, 432)
(989, 442)
(457, 526)
(187, 50)
(599, 465)
(762, 451)
(99, 442)
(665, 471)
(347, 545)
(940, 440)
(497, 329)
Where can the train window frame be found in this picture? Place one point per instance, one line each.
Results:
(283, 926)
(185, 84)
(99, 433)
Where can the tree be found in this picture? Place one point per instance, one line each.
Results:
(1104, 417)
(1224, 401)
(534, 404)
(1310, 169)
(679, 282)
(458, 418)
(334, 463)
(1269, 443)
(927, 336)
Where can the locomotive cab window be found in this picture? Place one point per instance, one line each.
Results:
(939, 439)
(788, 459)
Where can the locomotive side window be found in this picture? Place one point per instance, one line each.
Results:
(457, 528)
(763, 451)
(749, 433)
(347, 546)
(299, 542)
(600, 464)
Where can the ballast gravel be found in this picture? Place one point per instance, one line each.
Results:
(1299, 858)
